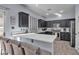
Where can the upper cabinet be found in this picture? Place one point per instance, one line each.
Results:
(65, 23)
(23, 19)
(49, 24)
(61, 23)
(42, 23)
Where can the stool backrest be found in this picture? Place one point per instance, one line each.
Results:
(17, 50)
(9, 50)
(3, 48)
(29, 49)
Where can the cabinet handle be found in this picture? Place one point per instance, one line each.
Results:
(32, 40)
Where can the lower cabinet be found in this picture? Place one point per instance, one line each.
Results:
(65, 36)
(42, 45)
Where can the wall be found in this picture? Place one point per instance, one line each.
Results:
(1, 22)
(13, 11)
(77, 26)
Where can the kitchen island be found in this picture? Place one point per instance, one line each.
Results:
(40, 40)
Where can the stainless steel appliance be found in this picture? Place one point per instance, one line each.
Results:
(72, 31)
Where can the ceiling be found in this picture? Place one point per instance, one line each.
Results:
(50, 10)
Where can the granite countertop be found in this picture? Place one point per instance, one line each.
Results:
(39, 37)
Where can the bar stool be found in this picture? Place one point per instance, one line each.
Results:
(29, 49)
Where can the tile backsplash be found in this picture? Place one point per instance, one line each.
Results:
(50, 29)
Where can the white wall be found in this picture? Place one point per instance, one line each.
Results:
(1, 23)
(77, 26)
(13, 11)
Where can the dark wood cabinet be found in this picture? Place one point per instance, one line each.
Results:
(42, 23)
(65, 36)
(23, 19)
(49, 24)
(65, 23)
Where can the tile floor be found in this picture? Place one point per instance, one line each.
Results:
(64, 48)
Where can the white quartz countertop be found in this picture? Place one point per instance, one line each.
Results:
(39, 37)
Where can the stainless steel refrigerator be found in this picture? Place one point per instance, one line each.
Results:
(72, 33)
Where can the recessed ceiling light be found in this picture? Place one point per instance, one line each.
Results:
(36, 5)
(47, 13)
(61, 11)
(58, 14)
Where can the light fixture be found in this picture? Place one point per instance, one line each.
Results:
(36, 5)
(58, 14)
(61, 11)
(47, 13)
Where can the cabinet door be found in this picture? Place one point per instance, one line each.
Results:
(67, 23)
(49, 24)
(42, 23)
(62, 24)
(39, 23)
(23, 19)
(62, 35)
(45, 24)
(67, 36)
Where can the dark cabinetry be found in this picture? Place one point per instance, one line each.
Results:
(49, 24)
(65, 36)
(23, 19)
(65, 23)
(42, 23)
